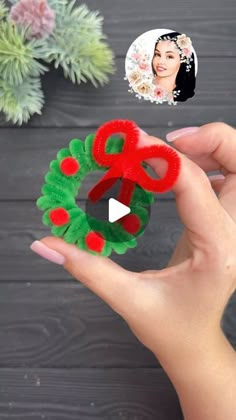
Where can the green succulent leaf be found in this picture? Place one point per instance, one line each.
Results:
(20, 102)
(3, 9)
(18, 56)
(78, 46)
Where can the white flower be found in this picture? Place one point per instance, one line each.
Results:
(143, 88)
(135, 77)
(184, 41)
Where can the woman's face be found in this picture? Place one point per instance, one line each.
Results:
(166, 59)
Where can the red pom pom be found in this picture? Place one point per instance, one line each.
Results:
(59, 216)
(69, 166)
(131, 224)
(95, 241)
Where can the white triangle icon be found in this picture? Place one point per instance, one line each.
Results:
(116, 210)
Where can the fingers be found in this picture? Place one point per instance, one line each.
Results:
(217, 182)
(197, 204)
(205, 162)
(107, 279)
(217, 141)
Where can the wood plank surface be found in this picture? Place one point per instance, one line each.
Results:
(27, 153)
(66, 325)
(64, 353)
(68, 105)
(88, 394)
(21, 224)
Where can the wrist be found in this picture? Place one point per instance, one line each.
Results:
(192, 358)
(206, 381)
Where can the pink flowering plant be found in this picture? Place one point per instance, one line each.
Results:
(35, 33)
(37, 15)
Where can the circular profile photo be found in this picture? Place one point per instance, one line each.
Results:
(161, 67)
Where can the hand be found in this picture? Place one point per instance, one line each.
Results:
(176, 312)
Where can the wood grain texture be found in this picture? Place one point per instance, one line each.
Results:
(68, 105)
(64, 353)
(66, 325)
(101, 394)
(140, 11)
(21, 225)
(209, 24)
(26, 155)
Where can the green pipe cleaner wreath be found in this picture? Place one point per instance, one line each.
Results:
(67, 220)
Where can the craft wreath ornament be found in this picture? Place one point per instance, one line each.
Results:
(119, 158)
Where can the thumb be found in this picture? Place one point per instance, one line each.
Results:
(196, 201)
(104, 277)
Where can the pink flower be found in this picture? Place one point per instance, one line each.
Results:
(159, 92)
(143, 66)
(36, 14)
(187, 52)
(136, 56)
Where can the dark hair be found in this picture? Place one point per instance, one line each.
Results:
(185, 80)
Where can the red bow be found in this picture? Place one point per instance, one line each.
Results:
(128, 163)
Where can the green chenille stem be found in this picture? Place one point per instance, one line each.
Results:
(119, 247)
(94, 166)
(60, 190)
(143, 198)
(76, 228)
(77, 150)
(62, 182)
(58, 194)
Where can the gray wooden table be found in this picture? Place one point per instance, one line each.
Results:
(64, 354)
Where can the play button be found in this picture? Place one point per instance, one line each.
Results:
(114, 217)
(116, 210)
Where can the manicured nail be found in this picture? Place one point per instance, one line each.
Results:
(41, 249)
(216, 177)
(174, 135)
(143, 132)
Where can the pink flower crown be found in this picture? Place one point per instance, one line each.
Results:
(184, 44)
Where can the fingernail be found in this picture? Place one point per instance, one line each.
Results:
(143, 132)
(216, 177)
(49, 254)
(173, 135)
